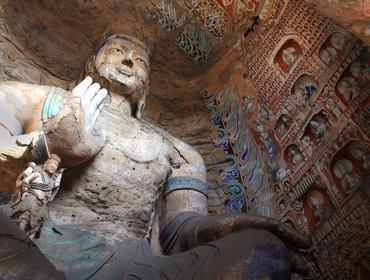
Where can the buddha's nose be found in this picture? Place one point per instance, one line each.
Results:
(127, 62)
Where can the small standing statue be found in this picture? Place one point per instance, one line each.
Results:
(35, 188)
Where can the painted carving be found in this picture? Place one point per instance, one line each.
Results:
(303, 223)
(308, 144)
(227, 2)
(349, 166)
(340, 93)
(248, 103)
(363, 116)
(246, 9)
(263, 112)
(230, 176)
(36, 186)
(282, 125)
(348, 89)
(277, 189)
(168, 18)
(333, 108)
(333, 48)
(317, 126)
(287, 55)
(351, 15)
(343, 170)
(195, 42)
(355, 80)
(360, 153)
(292, 155)
(212, 15)
(317, 207)
(305, 88)
(244, 149)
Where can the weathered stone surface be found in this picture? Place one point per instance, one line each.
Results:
(107, 194)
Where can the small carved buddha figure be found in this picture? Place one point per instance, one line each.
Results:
(350, 181)
(361, 154)
(294, 154)
(318, 128)
(320, 211)
(289, 56)
(349, 88)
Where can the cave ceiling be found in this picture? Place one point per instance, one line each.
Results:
(187, 37)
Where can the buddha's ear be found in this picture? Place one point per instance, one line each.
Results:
(89, 66)
(142, 101)
(88, 71)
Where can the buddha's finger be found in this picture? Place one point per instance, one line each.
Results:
(81, 88)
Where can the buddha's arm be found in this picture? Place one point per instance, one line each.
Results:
(21, 138)
(187, 161)
(22, 103)
(28, 111)
(186, 188)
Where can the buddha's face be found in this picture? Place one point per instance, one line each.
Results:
(124, 64)
(289, 56)
(315, 203)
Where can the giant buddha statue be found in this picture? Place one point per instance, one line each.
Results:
(133, 201)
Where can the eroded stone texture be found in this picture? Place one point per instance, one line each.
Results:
(107, 194)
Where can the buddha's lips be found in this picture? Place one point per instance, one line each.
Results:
(121, 76)
(123, 72)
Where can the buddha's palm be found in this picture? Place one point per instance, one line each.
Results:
(71, 134)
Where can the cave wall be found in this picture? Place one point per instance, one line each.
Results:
(306, 104)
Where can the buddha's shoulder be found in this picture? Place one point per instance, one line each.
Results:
(22, 86)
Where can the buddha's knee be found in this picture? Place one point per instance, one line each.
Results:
(253, 254)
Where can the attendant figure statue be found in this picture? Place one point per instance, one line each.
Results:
(36, 187)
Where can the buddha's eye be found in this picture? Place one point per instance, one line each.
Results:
(114, 50)
(142, 61)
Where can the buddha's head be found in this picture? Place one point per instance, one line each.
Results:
(122, 64)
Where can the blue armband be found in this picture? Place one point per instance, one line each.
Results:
(52, 105)
(185, 183)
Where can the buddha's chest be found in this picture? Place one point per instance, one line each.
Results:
(117, 192)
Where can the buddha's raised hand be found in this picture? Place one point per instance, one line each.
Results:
(71, 132)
